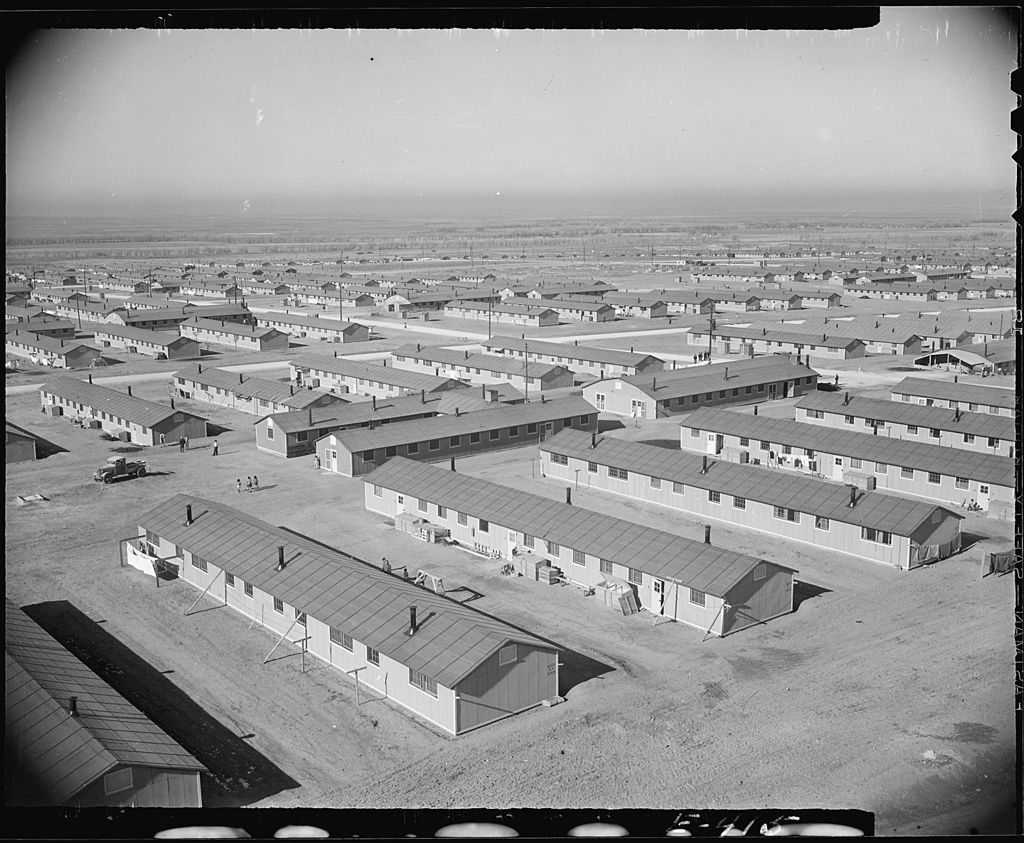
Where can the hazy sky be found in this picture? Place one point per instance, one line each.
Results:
(100, 119)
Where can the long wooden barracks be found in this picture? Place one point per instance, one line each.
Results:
(582, 359)
(358, 450)
(715, 590)
(295, 434)
(935, 472)
(345, 376)
(481, 368)
(981, 432)
(973, 398)
(244, 392)
(132, 419)
(72, 740)
(660, 394)
(440, 660)
(884, 528)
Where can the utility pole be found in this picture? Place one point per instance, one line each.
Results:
(711, 329)
(526, 377)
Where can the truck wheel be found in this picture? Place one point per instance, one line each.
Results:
(107, 478)
(141, 472)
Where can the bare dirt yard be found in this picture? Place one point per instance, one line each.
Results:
(884, 691)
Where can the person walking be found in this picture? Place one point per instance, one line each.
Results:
(186, 443)
(162, 442)
(215, 447)
(248, 484)
(181, 444)
(255, 483)
(238, 485)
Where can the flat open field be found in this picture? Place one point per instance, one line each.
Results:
(885, 691)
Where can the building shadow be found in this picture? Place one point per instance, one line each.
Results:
(670, 444)
(604, 425)
(238, 774)
(805, 591)
(968, 540)
(216, 429)
(45, 448)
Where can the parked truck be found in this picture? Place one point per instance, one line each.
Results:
(118, 468)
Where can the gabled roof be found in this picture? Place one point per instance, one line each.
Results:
(339, 590)
(942, 418)
(881, 511)
(485, 362)
(945, 390)
(660, 554)
(62, 754)
(247, 387)
(770, 334)
(612, 356)
(163, 338)
(479, 421)
(52, 345)
(139, 410)
(568, 303)
(507, 306)
(690, 380)
(357, 413)
(309, 322)
(894, 451)
(232, 328)
(346, 367)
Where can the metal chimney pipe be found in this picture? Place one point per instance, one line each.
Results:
(704, 465)
(280, 557)
(412, 620)
(188, 513)
(129, 389)
(453, 463)
(853, 496)
(73, 706)
(172, 402)
(568, 494)
(90, 377)
(846, 400)
(374, 400)
(593, 441)
(755, 409)
(423, 396)
(707, 534)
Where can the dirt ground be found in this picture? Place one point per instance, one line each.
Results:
(885, 691)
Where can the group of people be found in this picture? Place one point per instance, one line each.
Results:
(703, 355)
(182, 444)
(252, 484)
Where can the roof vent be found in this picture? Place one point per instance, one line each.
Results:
(412, 621)
(73, 706)
(704, 465)
(853, 496)
(280, 557)
(568, 494)
(188, 513)
(707, 534)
